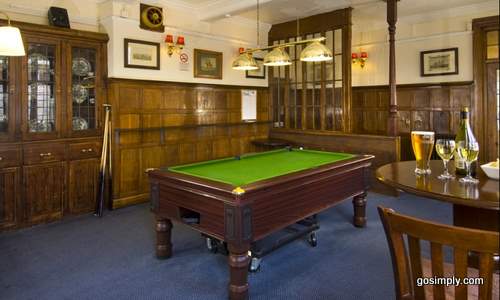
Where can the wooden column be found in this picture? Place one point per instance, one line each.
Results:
(392, 121)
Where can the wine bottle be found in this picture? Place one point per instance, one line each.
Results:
(464, 134)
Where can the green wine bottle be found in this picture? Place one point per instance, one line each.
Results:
(464, 134)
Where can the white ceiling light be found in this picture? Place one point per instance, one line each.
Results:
(11, 42)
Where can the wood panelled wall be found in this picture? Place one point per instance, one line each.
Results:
(159, 124)
(434, 107)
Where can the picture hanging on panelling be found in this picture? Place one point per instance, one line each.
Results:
(207, 64)
(141, 54)
(439, 62)
(260, 72)
(151, 18)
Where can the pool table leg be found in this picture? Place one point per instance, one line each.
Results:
(238, 272)
(163, 243)
(359, 204)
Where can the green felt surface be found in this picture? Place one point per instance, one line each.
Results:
(259, 166)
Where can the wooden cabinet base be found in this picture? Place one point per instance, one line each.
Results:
(44, 191)
(9, 197)
(82, 185)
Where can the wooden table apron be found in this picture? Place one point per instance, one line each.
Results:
(265, 207)
(474, 206)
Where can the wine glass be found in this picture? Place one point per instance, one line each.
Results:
(468, 151)
(445, 149)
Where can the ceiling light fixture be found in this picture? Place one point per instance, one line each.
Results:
(277, 57)
(315, 51)
(11, 42)
(246, 62)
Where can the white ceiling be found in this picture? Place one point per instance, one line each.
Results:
(278, 11)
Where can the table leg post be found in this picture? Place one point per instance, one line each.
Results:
(163, 244)
(359, 204)
(238, 273)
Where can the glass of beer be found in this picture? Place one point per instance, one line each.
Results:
(422, 143)
(445, 149)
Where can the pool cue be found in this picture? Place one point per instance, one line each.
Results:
(102, 167)
(110, 169)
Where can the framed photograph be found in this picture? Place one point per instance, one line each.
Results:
(141, 54)
(207, 64)
(439, 62)
(260, 73)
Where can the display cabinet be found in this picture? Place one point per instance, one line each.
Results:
(50, 130)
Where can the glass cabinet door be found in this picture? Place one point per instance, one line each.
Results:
(41, 93)
(83, 88)
(4, 95)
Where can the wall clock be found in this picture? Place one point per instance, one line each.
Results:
(152, 18)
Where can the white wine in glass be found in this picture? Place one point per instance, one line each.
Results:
(468, 151)
(445, 148)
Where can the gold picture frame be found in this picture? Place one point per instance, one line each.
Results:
(207, 64)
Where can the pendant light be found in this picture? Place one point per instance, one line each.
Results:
(11, 42)
(277, 57)
(246, 62)
(316, 52)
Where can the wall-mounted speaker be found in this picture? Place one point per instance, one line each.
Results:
(58, 16)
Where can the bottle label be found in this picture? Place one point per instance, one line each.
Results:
(459, 163)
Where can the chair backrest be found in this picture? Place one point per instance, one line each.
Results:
(407, 266)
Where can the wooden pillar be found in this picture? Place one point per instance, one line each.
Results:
(392, 121)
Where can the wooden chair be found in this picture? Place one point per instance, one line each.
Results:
(408, 266)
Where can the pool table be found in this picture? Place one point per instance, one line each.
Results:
(240, 200)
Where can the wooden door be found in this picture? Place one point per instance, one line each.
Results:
(44, 191)
(41, 89)
(83, 185)
(492, 111)
(9, 196)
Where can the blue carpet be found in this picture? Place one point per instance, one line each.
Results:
(113, 258)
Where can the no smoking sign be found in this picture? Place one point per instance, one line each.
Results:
(184, 58)
(183, 61)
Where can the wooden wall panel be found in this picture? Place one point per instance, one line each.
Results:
(434, 107)
(159, 124)
(421, 107)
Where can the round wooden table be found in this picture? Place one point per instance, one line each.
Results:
(474, 206)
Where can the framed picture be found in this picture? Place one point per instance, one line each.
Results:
(141, 54)
(439, 62)
(260, 72)
(207, 64)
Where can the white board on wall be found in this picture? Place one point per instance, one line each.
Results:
(248, 105)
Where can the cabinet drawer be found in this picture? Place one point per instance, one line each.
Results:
(43, 153)
(84, 150)
(10, 157)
